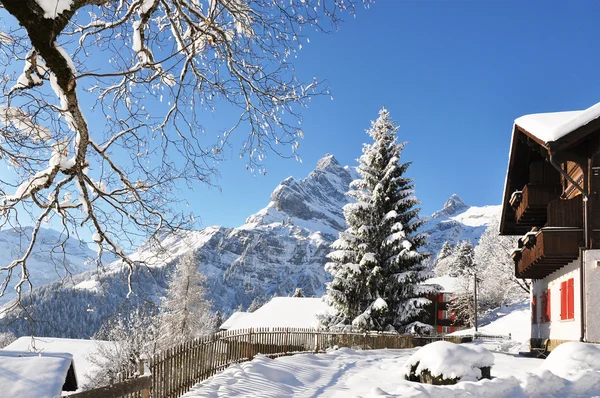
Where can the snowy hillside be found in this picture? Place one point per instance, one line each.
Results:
(456, 221)
(47, 263)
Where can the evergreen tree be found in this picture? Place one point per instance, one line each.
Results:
(376, 266)
(443, 261)
(186, 313)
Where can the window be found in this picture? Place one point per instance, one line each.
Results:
(546, 306)
(446, 329)
(444, 314)
(534, 309)
(567, 300)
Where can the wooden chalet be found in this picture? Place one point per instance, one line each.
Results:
(440, 317)
(551, 200)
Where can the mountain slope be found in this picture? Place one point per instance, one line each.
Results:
(456, 221)
(47, 262)
(279, 248)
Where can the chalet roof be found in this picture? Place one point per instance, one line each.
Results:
(31, 375)
(554, 131)
(448, 284)
(233, 319)
(292, 312)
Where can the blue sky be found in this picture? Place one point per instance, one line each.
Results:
(454, 75)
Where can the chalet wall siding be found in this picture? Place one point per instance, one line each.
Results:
(557, 329)
(592, 297)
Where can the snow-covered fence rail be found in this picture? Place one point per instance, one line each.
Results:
(174, 371)
(483, 336)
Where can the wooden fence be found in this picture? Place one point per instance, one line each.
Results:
(175, 371)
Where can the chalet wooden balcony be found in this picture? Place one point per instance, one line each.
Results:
(547, 250)
(531, 204)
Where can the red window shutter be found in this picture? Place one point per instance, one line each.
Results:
(452, 329)
(571, 300)
(441, 297)
(452, 316)
(439, 329)
(440, 314)
(563, 300)
(548, 306)
(534, 309)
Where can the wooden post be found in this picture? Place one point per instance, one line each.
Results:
(250, 345)
(141, 369)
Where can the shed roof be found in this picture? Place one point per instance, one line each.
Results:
(80, 349)
(33, 375)
(233, 319)
(292, 312)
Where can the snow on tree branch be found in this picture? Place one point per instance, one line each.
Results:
(103, 105)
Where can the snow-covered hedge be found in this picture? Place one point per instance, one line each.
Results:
(570, 358)
(443, 362)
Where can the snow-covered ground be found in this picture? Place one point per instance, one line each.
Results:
(378, 373)
(513, 320)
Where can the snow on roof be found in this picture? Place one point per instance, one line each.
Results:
(79, 349)
(449, 284)
(235, 317)
(31, 375)
(291, 312)
(550, 127)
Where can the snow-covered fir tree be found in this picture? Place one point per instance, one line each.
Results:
(186, 314)
(443, 261)
(376, 266)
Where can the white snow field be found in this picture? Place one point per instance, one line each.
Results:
(379, 373)
(514, 319)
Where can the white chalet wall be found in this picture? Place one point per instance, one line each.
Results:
(592, 296)
(557, 329)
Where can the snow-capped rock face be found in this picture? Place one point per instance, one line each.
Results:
(458, 221)
(452, 206)
(47, 263)
(283, 246)
(314, 202)
(280, 248)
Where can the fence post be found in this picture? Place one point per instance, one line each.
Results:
(141, 369)
(250, 344)
(316, 342)
(365, 341)
(287, 335)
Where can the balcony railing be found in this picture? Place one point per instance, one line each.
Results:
(531, 203)
(546, 251)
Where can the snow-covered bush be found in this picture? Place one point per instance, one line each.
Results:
(6, 338)
(443, 363)
(570, 358)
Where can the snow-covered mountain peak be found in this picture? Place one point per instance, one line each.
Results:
(454, 205)
(328, 161)
(314, 202)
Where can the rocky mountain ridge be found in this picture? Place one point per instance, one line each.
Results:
(281, 247)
